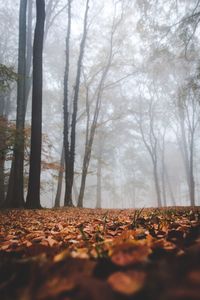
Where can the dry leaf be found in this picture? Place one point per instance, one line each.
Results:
(51, 241)
(127, 283)
(61, 256)
(130, 253)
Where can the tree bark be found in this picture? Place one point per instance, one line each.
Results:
(33, 196)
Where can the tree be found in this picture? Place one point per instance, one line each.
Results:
(70, 146)
(33, 196)
(150, 140)
(188, 116)
(15, 194)
(91, 128)
(7, 75)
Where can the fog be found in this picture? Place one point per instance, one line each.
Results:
(140, 69)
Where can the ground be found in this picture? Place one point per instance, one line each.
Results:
(84, 254)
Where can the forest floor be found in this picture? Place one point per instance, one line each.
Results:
(92, 254)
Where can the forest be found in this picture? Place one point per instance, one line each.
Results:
(99, 149)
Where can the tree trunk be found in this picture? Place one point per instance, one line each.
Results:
(192, 182)
(99, 169)
(68, 197)
(164, 189)
(15, 194)
(187, 155)
(82, 188)
(157, 186)
(75, 191)
(184, 150)
(86, 155)
(60, 179)
(33, 196)
(163, 173)
(29, 52)
(170, 187)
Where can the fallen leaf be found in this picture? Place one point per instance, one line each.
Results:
(61, 256)
(51, 241)
(130, 253)
(127, 283)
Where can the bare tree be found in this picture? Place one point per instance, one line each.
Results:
(70, 147)
(150, 141)
(188, 113)
(33, 196)
(91, 128)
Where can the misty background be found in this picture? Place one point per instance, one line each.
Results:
(147, 137)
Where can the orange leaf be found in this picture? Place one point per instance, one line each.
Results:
(51, 241)
(127, 283)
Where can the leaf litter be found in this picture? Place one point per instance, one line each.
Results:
(100, 254)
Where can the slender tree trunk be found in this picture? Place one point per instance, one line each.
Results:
(164, 189)
(99, 171)
(192, 182)
(163, 173)
(187, 157)
(184, 150)
(170, 187)
(33, 196)
(101, 141)
(82, 188)
(86, 153)
(157, 186)
(60, 179)
(29, 52)
(68, 198)
(15, 194)
(71, 157)
(75, 191)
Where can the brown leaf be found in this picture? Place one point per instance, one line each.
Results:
(130, 253)
(127, 283)
(51, 241)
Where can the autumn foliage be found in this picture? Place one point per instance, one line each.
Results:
(100, 254)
